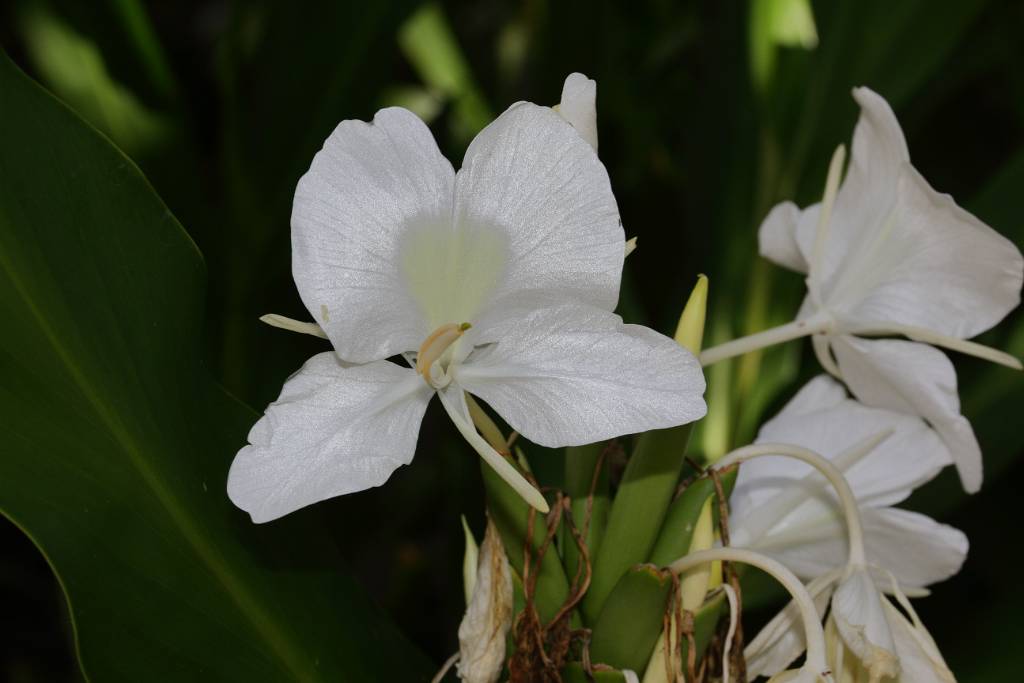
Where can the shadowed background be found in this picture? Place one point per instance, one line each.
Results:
(708, 114)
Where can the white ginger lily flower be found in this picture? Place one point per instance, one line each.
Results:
(876, 458)
(782, 508)
(498, 280)
(886, 255)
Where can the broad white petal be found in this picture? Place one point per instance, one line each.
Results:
(579, 106)
(915, 548)
(369, 194)
(936, 267)
(336, 428)
(573, 375)
(782, 639)
(860, 617)
(913, 378)
(534, 192)
(777, 237)
(823, 418)
(920, 659)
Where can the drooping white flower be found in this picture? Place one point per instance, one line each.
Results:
(498, 280)
(887, 255)
(782, 508)
(867, 637)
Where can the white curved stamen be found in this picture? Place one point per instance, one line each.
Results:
(813, 632)
(734, 617)
(281, 322)
(846, 498)
(970, 348)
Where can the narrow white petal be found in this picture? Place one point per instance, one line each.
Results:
(913, 378)
(368, 193)
(573, 375)
(533, 186)
(579, 106)
(782, 639)
(920, 658)
(868, 192)
(777, 239)
(336, 428)
(860, 617)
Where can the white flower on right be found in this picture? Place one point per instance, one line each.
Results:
(885, 254)
(780, 507)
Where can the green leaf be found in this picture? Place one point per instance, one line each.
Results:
(116, 443)
(677, 530)
(580, 464)
(574, 673)
(637, 511)
(627, 630)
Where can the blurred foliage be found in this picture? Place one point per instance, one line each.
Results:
(708, 114)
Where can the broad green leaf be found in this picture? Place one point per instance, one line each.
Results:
(625, 633)
(116, 443)
(637, 511)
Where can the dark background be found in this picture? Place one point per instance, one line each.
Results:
(224, 104)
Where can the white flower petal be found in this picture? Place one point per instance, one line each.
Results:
(915, 548)
(860, 617)
(823, 418)
(360, 212)
(913, 378)
(936, 267)
(573, 375)
(335, 429)
(782, 639)
(535, 189)
(777, 237)
(579, 106)
(920, 659)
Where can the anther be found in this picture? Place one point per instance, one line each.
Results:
(435, 345)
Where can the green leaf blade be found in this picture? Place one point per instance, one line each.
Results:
(116, 443)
